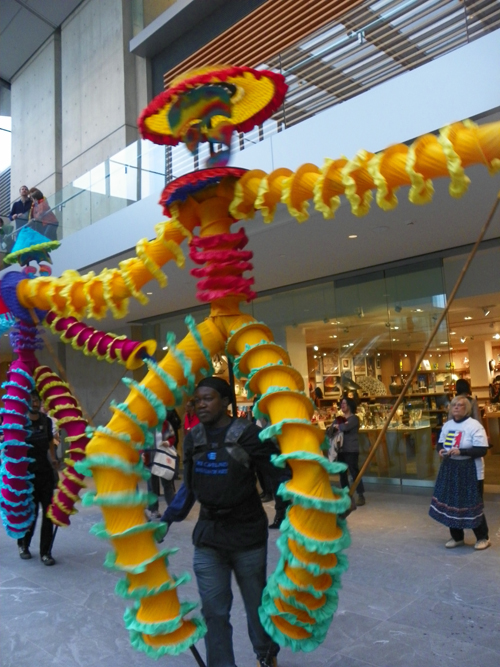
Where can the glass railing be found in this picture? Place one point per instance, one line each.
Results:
(370, 44)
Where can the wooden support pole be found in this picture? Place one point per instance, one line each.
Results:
(415, 368)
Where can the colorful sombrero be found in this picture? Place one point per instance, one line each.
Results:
(31, 246)
(252, 96)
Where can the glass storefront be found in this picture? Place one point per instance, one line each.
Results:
(363, 334)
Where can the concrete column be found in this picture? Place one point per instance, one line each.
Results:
(480, 353)
(36, 121)
(296, 346)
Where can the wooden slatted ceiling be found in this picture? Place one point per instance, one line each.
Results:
(265, 32)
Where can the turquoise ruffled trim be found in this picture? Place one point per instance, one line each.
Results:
(149, 395)
(250, 393)
(322, 613)
(191, 325)
(131, 622)
(322, 546)
(29, 510)
(23, 492)
(276, 429)
(123, 591)
(4, 411)
(22, 505)
(273, 390)
(159, 531)
(237, 361)
(339, 568)
(185, 363)
(104, 461)
(126, 499)
(331, 467)
(13, 383)
(168, 381)
(312, 502)
(15, 427)
(25, 375)
(148, 436)
(139, 644)
(20, 528)
(110, 562)
(6, 397)
(306, 645)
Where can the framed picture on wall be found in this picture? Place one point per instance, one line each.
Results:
(370, 366)
(360, 365)
(331, 364)
(377, 363)
(331, 385)
(346, 364)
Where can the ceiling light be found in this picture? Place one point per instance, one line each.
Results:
(396, 328)
(378, 354)
(444, 342)
(395, 340)
(451, 348)
(487, 310)
(316, 348)
(315, 356)
(353, 236)
(453, 333)
(334, 336)
(419, 310)
(149, 293)
(165, 347)
(463, 339)
(468, 317)
(324, 354)
(496, 336)
(430, 355)
(351, 344)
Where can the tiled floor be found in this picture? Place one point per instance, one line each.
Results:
(405, 602)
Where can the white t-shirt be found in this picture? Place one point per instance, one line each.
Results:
(465, 435)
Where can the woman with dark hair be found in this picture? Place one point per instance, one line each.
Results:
(41, 216)
(349, 452)
(462, 389)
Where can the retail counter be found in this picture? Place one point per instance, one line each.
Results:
(406, 451)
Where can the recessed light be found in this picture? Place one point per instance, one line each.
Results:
(396, 328)
(334, 336)
(395, 340)
(324, 354)
(496, 336)
(316, 348)
(149, 293)
(453, 333)
(351, 344)
(444, 342)
(165, 347)
(451, 348)
(353, 236)
(468, 317)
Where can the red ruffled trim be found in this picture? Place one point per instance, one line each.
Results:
(161, 100)
(194, 178)
(227, 268)
(237, 239)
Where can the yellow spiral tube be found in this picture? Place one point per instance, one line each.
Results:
(156, 622)
(457, 146)
(301, 595)
(90, 295)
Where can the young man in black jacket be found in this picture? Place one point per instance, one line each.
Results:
(220, 458)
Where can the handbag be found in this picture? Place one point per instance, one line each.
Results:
(335, 445)
(164, 461)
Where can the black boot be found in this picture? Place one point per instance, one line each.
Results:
(278, 519)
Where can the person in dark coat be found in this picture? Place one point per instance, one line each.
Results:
(230, 537)
(43, 466)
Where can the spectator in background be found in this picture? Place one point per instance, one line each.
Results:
(190, 418)
(462, 388)
(163, 464)
(21, 207)
(42, 217)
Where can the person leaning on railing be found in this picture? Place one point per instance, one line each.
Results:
(42, 219)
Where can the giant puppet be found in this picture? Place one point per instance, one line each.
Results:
(202, 207)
